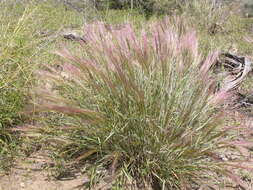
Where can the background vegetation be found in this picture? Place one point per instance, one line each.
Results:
(22, 51)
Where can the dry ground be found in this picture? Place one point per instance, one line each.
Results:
(30, 174)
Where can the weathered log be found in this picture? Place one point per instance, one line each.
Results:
(237, 68)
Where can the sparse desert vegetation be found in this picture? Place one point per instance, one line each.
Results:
(126, 94)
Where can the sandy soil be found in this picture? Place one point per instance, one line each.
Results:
(30, 174)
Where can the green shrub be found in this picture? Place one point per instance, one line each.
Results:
(147, 7)
(141, 107)
(162, 7)
(248, 8)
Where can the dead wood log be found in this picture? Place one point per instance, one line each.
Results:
(237, 68)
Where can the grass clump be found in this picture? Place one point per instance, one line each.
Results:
(15, 49)
(141, 107)
(22, 49)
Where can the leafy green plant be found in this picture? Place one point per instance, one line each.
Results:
(141, 107)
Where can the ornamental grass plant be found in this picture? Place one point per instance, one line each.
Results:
(141, 107)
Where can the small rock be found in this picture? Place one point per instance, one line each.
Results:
(22, 185)
(224, 158)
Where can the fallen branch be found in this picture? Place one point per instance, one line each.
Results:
(236, 69)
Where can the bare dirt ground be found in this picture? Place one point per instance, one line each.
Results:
(30, 174)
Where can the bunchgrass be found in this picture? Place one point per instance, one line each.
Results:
(141, 107)
(15, 49)
(137, 103)
(22, 49)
